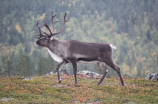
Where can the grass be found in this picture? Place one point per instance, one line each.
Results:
(45, 89)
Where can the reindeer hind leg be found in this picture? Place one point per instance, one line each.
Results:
(111, 63)
(104, 68)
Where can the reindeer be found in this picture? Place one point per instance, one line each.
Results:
(72, 51)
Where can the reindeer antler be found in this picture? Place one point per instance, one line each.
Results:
(40, 35)
(53, 22)
(62, 25)
(46, 25)
(51, 32)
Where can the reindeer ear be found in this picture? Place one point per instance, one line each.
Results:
(52, 38)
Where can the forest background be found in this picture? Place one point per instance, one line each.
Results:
(131, 25)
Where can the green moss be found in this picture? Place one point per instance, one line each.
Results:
(27, 97)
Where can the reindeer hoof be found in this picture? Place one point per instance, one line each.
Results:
(124, 84)
(59, 81)
(76, 85)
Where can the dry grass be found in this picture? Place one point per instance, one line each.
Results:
(45, 89)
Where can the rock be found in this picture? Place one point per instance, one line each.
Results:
(59, 85)
(27, 79)
(23, 78)
(63, 70)
(6, 99)
(152, 76)
(51, 73)
(90, 74)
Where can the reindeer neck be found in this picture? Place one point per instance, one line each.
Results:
(56, 46)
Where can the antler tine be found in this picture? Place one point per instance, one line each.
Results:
(65, 17)
(62, 25)
(54, 15)
(40, 35)
(53, 21)
(42, 30)
(46, 25)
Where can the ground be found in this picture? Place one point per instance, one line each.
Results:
(45, 89)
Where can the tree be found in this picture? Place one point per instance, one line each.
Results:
(25, 66)
(7, 65)
(45, 65)
(130, 25)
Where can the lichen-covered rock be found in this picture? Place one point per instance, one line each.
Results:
(89, 74)
(152, 76)
(63, 70)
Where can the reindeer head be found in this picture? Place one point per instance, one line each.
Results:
(44, 40)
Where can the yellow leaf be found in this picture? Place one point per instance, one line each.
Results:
(5, 50)
(43, 16)
(17, 27)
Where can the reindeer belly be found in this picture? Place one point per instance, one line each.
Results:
(55, 57)
(87, 60)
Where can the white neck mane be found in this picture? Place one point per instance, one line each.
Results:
(55, 57)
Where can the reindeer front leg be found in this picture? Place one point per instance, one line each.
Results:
(58, 72)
